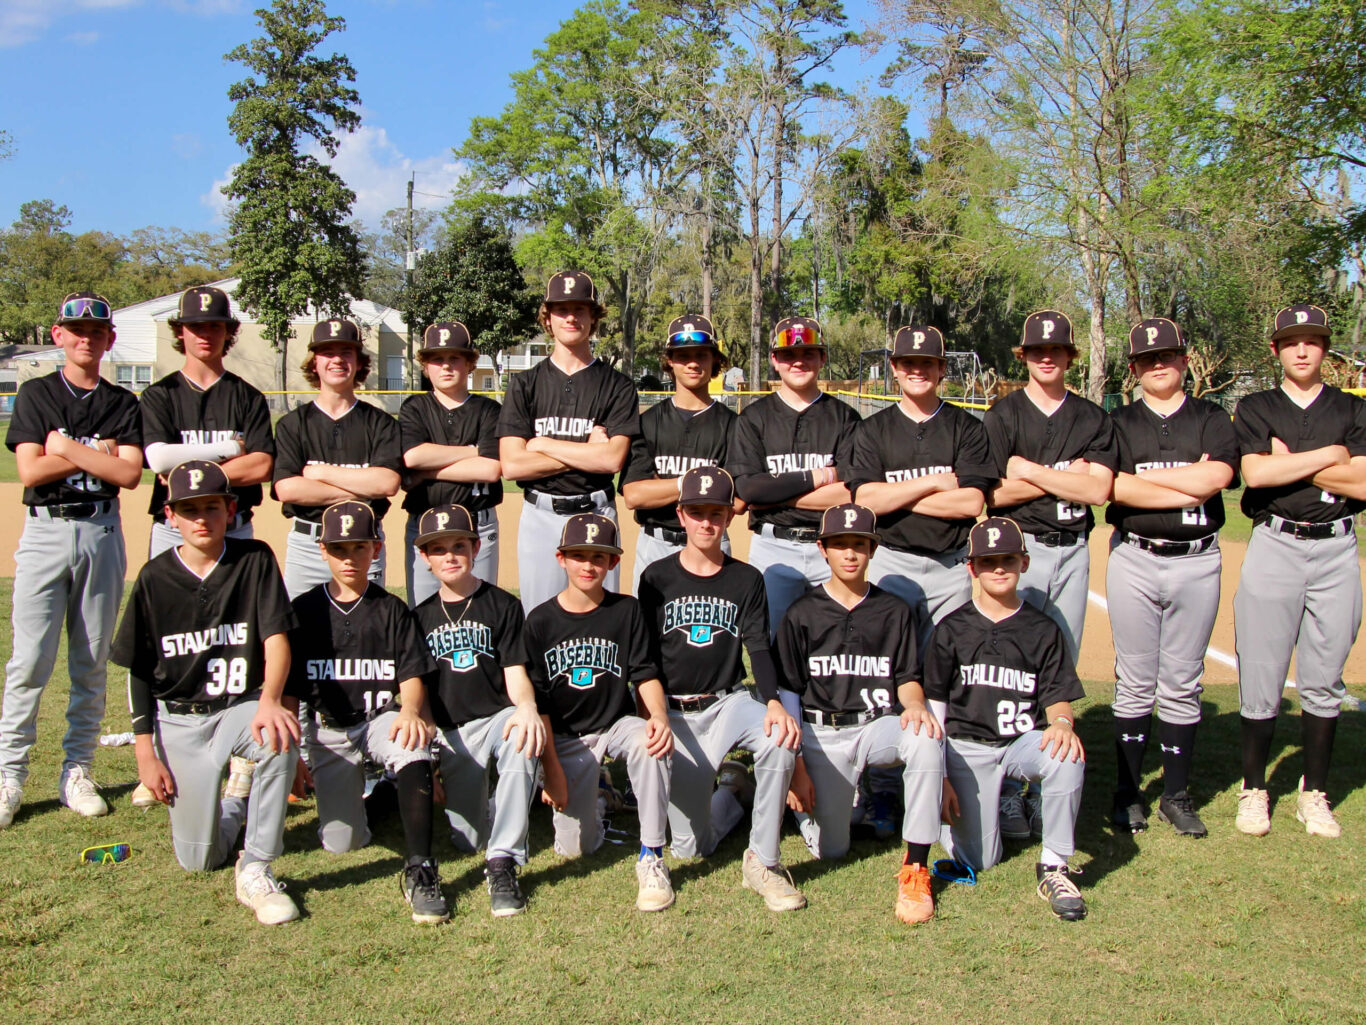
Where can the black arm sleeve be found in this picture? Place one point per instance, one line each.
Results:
(142, 705)
(765, 671)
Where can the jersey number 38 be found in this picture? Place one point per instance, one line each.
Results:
(226, 676)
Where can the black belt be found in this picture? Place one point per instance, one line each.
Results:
(565, 505)
(75, 510)
(1311, 531)
(673, 537)
(313, 530)
(198, 707)
(335, 722)
(806, 535)
(700, 702)
(1058, 538)
(1167, 549)
(842, 720)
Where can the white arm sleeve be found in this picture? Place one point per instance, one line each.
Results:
(164, 458)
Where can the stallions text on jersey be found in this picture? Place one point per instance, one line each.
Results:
(362, 437)
(472, 641)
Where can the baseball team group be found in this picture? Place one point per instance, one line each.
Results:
(880, 684)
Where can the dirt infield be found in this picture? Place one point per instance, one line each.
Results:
(1097, 652)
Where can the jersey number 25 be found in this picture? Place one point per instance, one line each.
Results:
(1013, 719)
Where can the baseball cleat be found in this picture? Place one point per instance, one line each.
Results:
(773, 884)
(1056, 887)
(1311, 808)
(142, 797)
(1128, 817)
(1178, 810)
(505, 896)
(914, 901)
(79, 792)
(1254, 812)
(610, 799)
(259, 890)
(1014, 822)
(421, 884)
(736, 778)
(656, 891)
(239, 777)
(11, 797)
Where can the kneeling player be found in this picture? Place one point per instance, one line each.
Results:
(587, 644)
(992, 668)
(482, 700)
(205, 640)
(701, 603)
(358, 648)
(848, 649)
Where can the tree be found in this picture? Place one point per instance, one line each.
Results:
(290, 231)
(387, 252)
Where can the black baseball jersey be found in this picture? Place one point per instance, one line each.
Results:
(1333, 418)
(1078, 429)
(472, 641)
(775, 448)
(699, 625)
(847, 660)
(1148, 441)
(997, 678)
(423, 420)
(362, 437)
(52, 403)
(178, 412)
(203, 640)
(349, 658)
(671, 442)
(545, 402)
(889, 446)
(582, 662)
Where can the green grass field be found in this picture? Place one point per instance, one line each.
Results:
(1225, 929)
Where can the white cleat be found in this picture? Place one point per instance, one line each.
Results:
(79, 792)
(258, 889)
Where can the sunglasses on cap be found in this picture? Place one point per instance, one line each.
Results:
(83, 309)
(682, 338)
(106, 854)
(797, 335)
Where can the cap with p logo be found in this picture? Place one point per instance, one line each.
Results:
(590, 531)
(446, 336)
(202, 305)
(706, 485)
(1047, 327)
(85, 306)
(690, 331)
(918, 340)
(1301, 320)
(445, 521)
(196, 478)
(848, 519)
(571, 286)
(348, 521)
(995, 535)
(794, 332)
(337, 330)
(1156, 334)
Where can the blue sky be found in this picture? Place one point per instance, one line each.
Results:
(118, 108)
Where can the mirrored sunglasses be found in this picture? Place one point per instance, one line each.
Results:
(85, 309)
(105, 854)
(682, 338)
(799, 334)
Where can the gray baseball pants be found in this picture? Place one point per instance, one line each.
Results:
(578, 830)
(932, 585)
(1057, 583)
(196, 748)
(1302, 597)
(66, 572)
(422, 585)
(1162, 611)
(539, 577)
(305, 567)
(337, 759)
(976, 772)
(790, 569)
(834, 758)
(700, 817)
(165, 537)
(465, 753)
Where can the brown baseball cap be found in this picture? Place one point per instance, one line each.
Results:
(996, 535)
(332, 332)
(1047, 327)
(918, 340)
(447, 336)
(571, 286)
(590, 531)
(349, 521)
(1300, 320)
(706, 485)
(690, 331)
(196, 478)
(1156, 334)
(797, 332)
(202, 305)
(445, 521)
(848, 519)
(90, 307)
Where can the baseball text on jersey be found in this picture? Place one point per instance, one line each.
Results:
(462, 644)
(578, 658)
(701, 616)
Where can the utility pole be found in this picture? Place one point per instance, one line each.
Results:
(409, 263)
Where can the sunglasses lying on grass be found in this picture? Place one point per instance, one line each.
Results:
(954, 872)
(106, 854)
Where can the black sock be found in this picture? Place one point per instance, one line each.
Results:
(1317, 734)
(415, 808)
(1178, 748)
(917, 854)
(1131, 742)
(1257, 734)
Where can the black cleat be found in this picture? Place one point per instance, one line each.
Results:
(422, 891)
(1128, 818)
(1056, 887)
(505, 896)
(1179, 810)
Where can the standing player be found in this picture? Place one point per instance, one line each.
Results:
(359, 662)
(1176, 455)
(333, 449)
(483, 702)
(564, 432)
(848, 649)
(205, 640)
(1304, 462)
(702, 606)
(791, 451)
(586, 646)
(690, 429)
(203, 411)
(997, 669)
(76, 440)
(450, 447)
